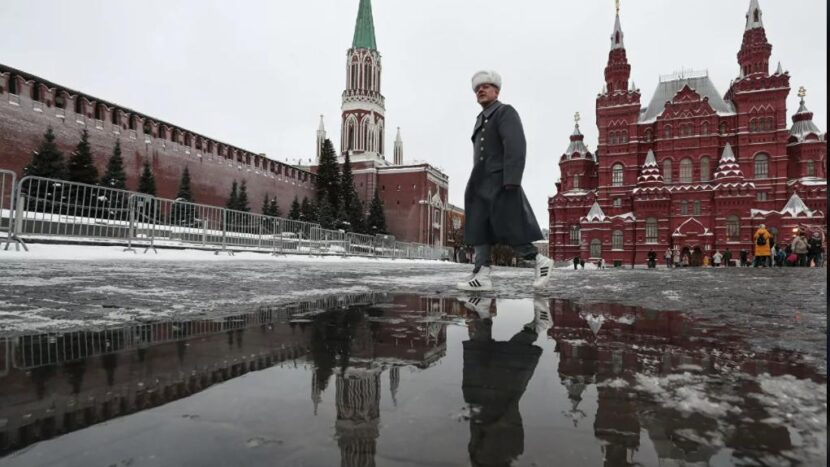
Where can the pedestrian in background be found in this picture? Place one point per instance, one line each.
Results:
(576, 262)
(814, 249)
(762, 239)
(744, 258)
(800, 248)
(717, 258)
(667, 256)
(727, 257)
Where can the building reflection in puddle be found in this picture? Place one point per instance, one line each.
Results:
(664, 385)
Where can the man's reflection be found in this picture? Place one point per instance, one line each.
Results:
(496, 374)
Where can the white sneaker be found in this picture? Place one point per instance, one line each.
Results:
(543, 269)
(479, 305)
(541, 316)
(479, 282)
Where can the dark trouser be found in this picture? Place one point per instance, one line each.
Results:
(760, 261)
(526, 251)
(802, 259)
(668, 262)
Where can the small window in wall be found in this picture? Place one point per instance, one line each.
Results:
(36, 92)
(617, 175)
(648, 136)
(617, 240)
(576, 181)
(667, 171)
(696, 211)
(810, 168)
(60, 100)
(79, 105)
(575, 235)
(704, 129)
(733, 228)
(13, 84)
(761, 166)
(651, 230)
(617, 202)
(99, 112)
(723, 128)
(684, 208)
(596, 248)
(116, 117)
(667, 132)
(761, 196)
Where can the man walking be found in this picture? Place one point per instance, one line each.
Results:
(495, 205)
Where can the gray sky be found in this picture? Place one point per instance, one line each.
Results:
(258, 73)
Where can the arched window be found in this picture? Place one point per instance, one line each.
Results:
(753, 125)
(667, 132)
(704, 129)
(367, 74)
(617, 175)
(761, 166)
(596, 248)
(575, 235)
(696, 211)
(686, 171)
(576, 181)
(353, 73)
(648, 136)
(624, 137)
(770, 123)
(617, 240)
(705, 175)
(810, 168)
(733, 228)
(723, 128)
(667, 171)
(651, 230)
(612, 137)
(684, 208)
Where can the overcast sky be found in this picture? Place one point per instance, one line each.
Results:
(258, 73)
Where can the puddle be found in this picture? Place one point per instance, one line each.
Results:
(378, 379)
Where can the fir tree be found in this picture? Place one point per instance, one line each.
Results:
(356, 216)
(274, 208)
(184, 192)
(376, 223)
(294, 211)
(183, 213)
(328, 176)
(47, 161)
(308, 211)
(147, 183)
(233, 198)
(266, 206)
(325, 214)
(80, 167)
(352, 208)
(115, 177)
(242, 200)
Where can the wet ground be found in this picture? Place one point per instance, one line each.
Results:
(716, 369)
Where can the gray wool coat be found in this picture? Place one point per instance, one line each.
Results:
(492, 213)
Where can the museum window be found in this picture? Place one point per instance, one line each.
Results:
(617, 202)
(617, 240)
(667, 171)
(733, 228)
(810, 168)
(648, 136)
(684, 208)
(696, 208)
(704, 129)
(761, 166)
(651, 230)
(667, 132)
(617, 175)
(686, 171)
(576, 181)
(761, 196)
(575, 235)
(596, 248)
(723, 128)
(705, 175)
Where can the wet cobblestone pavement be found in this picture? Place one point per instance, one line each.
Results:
(337, 363)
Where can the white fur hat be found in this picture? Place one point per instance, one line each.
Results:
(486, 77)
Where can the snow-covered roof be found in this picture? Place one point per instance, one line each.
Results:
(809, 181)
(650, 173)
(617, 35)
(678, 232)
(576, 192)
(803, 124)
(795, 207)
(595, 214)
(666, 90)
(728, 166)
(577, 147)
(751, 22)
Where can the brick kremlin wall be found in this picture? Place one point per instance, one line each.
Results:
(25, 114)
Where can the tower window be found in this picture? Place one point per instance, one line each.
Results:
(617, 175)
(651, 230)
(617, 202)
(667, 171)
(696, 208)
(686, 171)
(761, 166)
(761, 196)
(575, 235)
(576, 181)
(684, 208)
(733, 228)
(810, 168)
(704, 169)
(596, 248)
(617, 240)
(667, 132)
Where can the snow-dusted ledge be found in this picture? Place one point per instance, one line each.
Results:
(60, 252)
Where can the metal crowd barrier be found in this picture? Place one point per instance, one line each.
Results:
(8, 185)
(57, 209)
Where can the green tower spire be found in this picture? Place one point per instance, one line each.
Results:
(364, 28)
